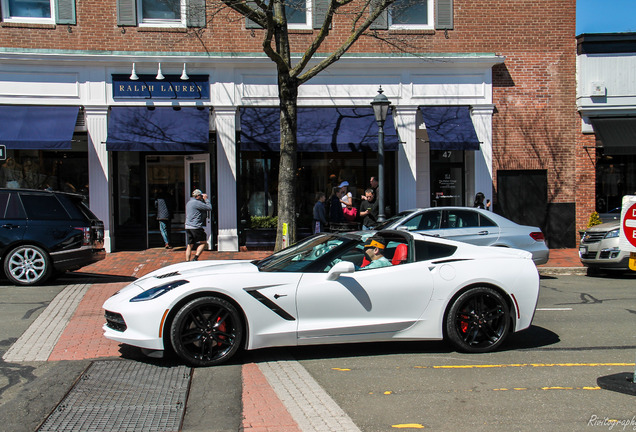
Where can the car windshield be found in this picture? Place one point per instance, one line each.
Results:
(301, 255)
(392, 220)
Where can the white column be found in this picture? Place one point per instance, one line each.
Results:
(98, 168)
(225, 122)
(405, 123)
(482, 119)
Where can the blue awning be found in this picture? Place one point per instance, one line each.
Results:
(37, 127)
(158, 129)
(319, 130)
(450, 128)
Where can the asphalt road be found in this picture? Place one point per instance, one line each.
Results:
(543, 380)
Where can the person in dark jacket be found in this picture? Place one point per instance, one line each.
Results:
(164, 205)
(335, 208)
(320, 214)
(369, 210)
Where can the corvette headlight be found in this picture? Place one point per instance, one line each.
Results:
(613, 233)
(158, 291)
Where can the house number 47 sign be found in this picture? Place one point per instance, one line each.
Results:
(628, 228)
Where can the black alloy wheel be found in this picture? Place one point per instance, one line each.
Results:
(478, 321)
(206, 331)
(27, 265)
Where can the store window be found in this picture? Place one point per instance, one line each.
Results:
(316, 172)
(615, 177)
(59, 170)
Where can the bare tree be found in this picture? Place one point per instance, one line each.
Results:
(293, 72)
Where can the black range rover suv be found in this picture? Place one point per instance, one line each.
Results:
(42, 233)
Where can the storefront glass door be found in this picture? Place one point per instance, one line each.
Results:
(197, 168)
(447, 178)
(165, 181)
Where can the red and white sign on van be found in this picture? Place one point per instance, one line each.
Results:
(628, 222)
(628, 229)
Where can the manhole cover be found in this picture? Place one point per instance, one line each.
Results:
(123, 396)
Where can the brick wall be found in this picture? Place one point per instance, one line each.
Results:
(535, 126)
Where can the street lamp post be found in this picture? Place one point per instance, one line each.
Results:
(380, 106)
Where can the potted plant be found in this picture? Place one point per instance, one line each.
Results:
(593, 220)
(262, 232)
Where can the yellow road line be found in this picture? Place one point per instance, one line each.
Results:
(519, 365)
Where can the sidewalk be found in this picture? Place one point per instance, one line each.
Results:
(139, 263)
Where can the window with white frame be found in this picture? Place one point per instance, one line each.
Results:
(162, 12)
(32, 11)
(411, 14)
(298, 13)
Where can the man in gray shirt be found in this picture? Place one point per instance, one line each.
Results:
(196, 211)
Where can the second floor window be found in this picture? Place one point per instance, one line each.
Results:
(161, 12)
(411, 14)
(28, 10)
(298, 14)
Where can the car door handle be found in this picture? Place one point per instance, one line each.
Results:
(482, 232)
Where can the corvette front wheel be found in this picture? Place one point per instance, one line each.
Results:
(206, 331)
(478, 321)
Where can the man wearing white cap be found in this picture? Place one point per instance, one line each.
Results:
(196, 211)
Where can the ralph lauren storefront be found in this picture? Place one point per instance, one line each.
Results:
(127, 138)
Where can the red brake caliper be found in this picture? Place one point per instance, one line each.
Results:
(222, 327)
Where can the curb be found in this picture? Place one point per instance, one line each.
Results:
(562, 271)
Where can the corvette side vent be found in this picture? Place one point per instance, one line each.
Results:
(167, 275)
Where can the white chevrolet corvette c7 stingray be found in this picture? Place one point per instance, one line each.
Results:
(322, 291)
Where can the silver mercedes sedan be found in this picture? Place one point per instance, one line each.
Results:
(474, 226)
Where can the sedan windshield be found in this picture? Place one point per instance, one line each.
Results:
(390, 221)
(298, 257)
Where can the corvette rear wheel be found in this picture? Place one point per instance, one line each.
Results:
(206, 331)
(27, 265)
(478, 321)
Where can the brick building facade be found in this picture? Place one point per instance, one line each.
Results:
(511, 64)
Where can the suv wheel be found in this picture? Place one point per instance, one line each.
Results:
(27, 265)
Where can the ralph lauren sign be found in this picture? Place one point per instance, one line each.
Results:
(171, 87)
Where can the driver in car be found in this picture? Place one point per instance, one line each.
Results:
(373, 250)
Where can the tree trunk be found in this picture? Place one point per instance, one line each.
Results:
(288, 95)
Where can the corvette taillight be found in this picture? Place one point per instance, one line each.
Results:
(537, 236)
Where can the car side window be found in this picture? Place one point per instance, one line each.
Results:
(430, 220)
(10, 206)
(425, 251)
(462, 219)
(43, 207)
(4, 200)
(413, 223)
(485, 222)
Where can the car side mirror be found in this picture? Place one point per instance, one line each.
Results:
(340, 268)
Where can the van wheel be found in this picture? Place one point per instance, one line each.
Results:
(27, 265)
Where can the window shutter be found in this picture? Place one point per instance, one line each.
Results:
(444, 14)
(195, 13)
(319, 12)
(382, 21)
(249, 24)
(65, 12)
(127, 12)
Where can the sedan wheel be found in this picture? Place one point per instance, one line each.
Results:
(478, 321)
(27, 265)
(206, 331)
